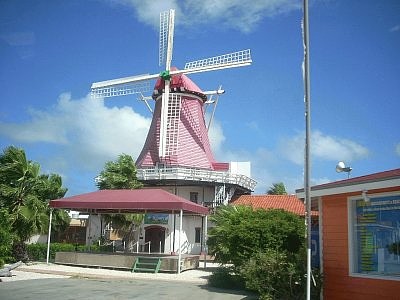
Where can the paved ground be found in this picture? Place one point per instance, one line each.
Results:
(41, 281)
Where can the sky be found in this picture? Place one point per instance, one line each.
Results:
(52, 51)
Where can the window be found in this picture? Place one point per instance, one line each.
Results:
(197, 235)
(194, 196)
(375, 235)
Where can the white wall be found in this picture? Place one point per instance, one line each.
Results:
(93, 229)
(205, 193)
(240, 168)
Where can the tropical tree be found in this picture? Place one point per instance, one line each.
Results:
(6, 236)
(240, 232)
(277, 189)
(25, 193)
(121, 174)
(264, 250)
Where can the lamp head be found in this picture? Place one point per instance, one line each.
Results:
(341, 167)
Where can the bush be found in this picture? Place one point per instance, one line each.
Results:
(224, 277)
(6, 237)
(38, 252)
(274, 275)
(240, 232)
(279, 275)
(266, 248)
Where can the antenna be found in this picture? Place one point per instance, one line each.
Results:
(341, 167)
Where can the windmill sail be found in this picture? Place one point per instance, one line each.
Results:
(172, 104)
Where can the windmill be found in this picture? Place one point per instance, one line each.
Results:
(171, 100)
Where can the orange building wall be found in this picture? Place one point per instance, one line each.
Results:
(337, 282)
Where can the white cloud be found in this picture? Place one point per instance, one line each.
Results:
(322, 147)
(87, 132)
(395, 28)
(216, 137)
(237, 14)
(253, 125)
(398, 149)
(22, 41)
(148, 11)
(20, 38)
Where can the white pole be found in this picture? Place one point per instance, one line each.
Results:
(179, 242)
(205, 241)
(307, 156)
(48, 237)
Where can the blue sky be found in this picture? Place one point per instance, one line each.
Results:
(51, 52)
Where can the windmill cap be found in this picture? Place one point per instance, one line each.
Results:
(179, 83)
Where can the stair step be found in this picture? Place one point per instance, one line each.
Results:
(144, 270)
(146, 264)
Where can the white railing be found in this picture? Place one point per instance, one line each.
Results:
(194, 174)
(133, 246)
(144, 246)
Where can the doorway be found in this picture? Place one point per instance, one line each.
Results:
(156, 236)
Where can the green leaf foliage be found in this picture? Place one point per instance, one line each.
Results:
(6, 237)
(119, 174)
(240, 232)
(38, 251)
(277, 189)
(275, 275)
(24, 194)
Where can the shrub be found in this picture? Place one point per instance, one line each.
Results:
(38, 252)
(266, 248)
(224, 277)
(274, 275)
(240, 232)
(6, 237)
(280, 275)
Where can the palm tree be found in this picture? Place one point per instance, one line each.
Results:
(277, 189)
(27, 212)
(24, 193)
(121, 174)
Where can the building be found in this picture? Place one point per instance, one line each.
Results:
(288, 203)
(359, 223)
(188, 168)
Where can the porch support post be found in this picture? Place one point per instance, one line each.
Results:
(205, 241)
(179, 241)
(48, 237)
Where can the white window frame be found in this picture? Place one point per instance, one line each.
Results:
(351, 237)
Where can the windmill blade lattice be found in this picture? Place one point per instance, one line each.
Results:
(170, 103)
(230, 60)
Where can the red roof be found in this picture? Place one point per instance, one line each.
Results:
(140, 200)
(286, 202)
(375, 177)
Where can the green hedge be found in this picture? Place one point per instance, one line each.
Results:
(38, 252)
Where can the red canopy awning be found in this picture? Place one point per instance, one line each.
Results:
(129, 201)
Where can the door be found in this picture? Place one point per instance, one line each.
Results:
(156, 236)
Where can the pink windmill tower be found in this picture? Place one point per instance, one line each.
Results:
(177, 155)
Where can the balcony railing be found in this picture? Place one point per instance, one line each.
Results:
(193, 174)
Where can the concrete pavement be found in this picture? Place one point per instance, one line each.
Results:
(52, 281)
(81, 288)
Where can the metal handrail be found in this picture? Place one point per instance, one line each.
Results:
(223, 177)
(149, 242)
(133, 245)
